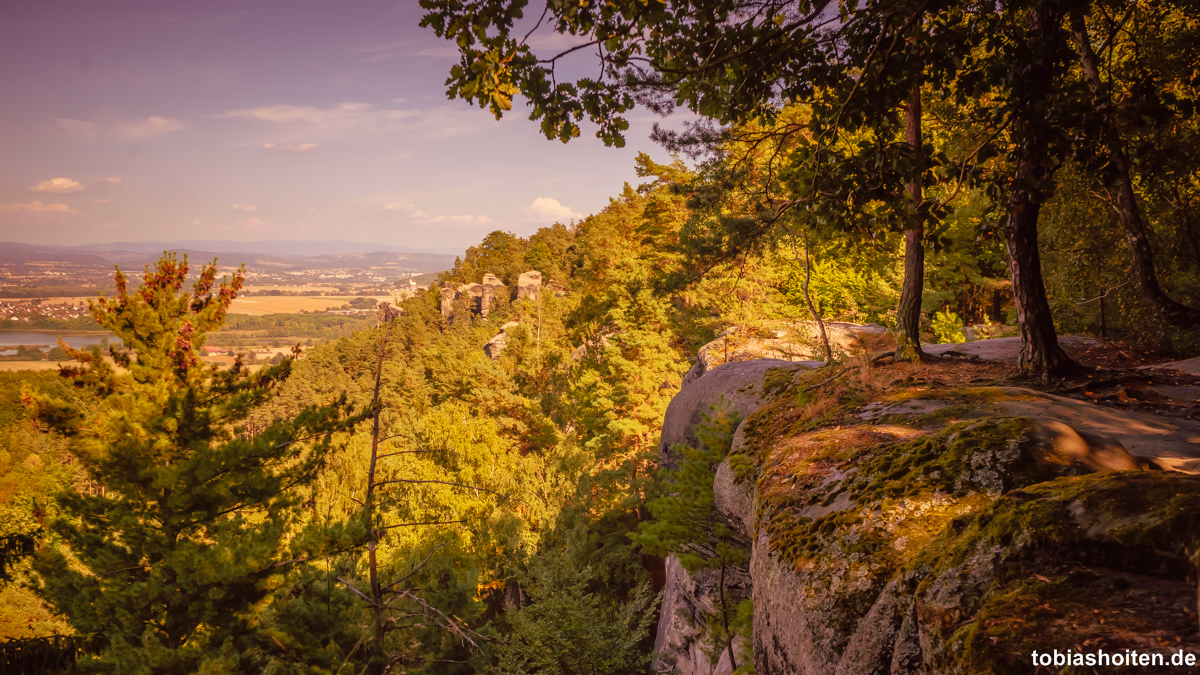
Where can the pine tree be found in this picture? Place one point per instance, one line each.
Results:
(686, 520)
(195, 518)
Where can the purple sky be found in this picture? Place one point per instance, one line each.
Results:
(125, 121)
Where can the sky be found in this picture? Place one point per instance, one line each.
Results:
(297, 119)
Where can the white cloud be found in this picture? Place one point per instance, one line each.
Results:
(300, 147)
(112, 182)
(461, 220)
(549, 210)
(150, 127)
(420, 216)
(58, 186)
(100, 201)
(38, 207)
(350, 116)
(405, 207)
(254, 221)
(244, 207)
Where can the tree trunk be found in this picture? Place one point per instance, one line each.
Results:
(1040, 353)
(908, 311)
(1178, 202)
(378, 661)
(812, 308)
(1117, 178)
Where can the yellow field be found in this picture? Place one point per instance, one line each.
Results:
(294, 289)
(9, 366)
(285, 304)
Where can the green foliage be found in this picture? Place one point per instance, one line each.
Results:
(568, 629)
(194, 518)
(686, 522)
(327, 326)
(947, 327)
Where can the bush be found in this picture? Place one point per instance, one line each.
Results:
(948, 327)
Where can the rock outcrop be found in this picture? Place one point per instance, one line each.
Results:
(386, 311)
(493, 291)
(529, 285)
(687, 601)
(798, 341)
(483, 297)
(494, 346)
(939, 529)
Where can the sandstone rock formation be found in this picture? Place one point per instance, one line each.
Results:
(449, 295)
(529, 285)
(1188, 366)
(687, 600)
(940, 529)
(480, 298)
(494, 346)
(387, 311)
(796, 341)
(493, 291)
(483, 297)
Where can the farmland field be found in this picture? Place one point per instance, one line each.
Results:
(9, 366)
(259, 305)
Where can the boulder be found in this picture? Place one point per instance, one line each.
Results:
(942, 530)
(737, 387)
(494, 291)
(688, 601)
(1000, 349)
(449, 295)
(529, 285)
(796, 341)
(1187, 366)
(387, 312)
(494, 346)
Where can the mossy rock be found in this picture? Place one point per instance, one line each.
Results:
(887, 496)
(959, 547)
(1104, 561)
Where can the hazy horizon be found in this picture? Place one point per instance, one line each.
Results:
(308, 121)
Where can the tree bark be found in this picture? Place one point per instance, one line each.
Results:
(1179, 203)
(1031, 83)
(378, 661)
(1117, 179)
(812, 308)
(908, 310)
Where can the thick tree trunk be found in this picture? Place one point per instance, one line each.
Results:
(1120, 184)
(1178, 202)
(908, 311)
(1040, 353)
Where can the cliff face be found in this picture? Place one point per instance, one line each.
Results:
(900, 521)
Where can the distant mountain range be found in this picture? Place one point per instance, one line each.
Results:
(290, 254)
(270, 247)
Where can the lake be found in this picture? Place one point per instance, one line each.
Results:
(47, 339)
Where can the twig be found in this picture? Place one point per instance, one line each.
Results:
(439, 482)
(415, 569)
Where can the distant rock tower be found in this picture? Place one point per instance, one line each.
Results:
(449, 295)
(530, 285)
(481, 297)
(493, 290)
(387, 312)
